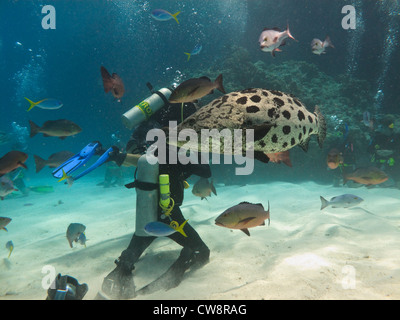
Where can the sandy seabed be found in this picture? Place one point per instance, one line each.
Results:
(305, 253)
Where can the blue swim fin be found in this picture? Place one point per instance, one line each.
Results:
(77, 160)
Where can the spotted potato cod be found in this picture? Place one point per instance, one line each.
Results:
(280, 121)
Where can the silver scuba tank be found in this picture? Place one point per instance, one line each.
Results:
(145, 109)
(146, 201)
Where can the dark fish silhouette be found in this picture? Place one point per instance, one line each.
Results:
(196, 88)
(55, 128)
(55, 160)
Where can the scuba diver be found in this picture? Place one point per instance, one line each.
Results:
(119, 284)
(152, 205)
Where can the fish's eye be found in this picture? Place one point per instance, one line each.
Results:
(266, 39)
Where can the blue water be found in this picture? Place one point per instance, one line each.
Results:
(65, 64)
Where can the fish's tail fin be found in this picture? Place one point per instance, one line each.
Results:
(286, 158)
(179, 228)
(213, 188)
(324, 203)
(34, 129)
(11, 248)
(174, 16)
(39, 162)
(69, 179)
(328, 42)
(289, 34)
(321, 126)
(219, 84)
(188, 54)
(108, 83)
(32, 104)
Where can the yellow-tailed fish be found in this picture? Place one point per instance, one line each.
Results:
(178, 227)
(163, 15)
(47, 104)
(10, 247)
(70, 179)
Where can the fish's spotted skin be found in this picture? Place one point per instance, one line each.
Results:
(279, 120)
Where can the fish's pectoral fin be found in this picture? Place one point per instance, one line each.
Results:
(247, 220)
(304, 144)
(193, 90)
(23, 165)
(246, 231)
(213, 188)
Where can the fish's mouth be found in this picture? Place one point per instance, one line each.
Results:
(219, 224)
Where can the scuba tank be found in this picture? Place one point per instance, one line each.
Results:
(145, 109)
(146, 200)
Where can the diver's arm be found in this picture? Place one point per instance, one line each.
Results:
(131, 160)
(124, 159)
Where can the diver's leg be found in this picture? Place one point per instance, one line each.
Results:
(119, 284)
(194, 254)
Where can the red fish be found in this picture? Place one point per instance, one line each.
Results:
(280, 157)
(11, 161)
(112, 83)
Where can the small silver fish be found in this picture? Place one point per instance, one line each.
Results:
(318, 47)
(6, 187)
(343, 201)
(203, 188)
(271, 39)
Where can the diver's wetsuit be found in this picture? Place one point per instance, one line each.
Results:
(195, 253)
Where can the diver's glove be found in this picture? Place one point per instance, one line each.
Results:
(116, 156)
